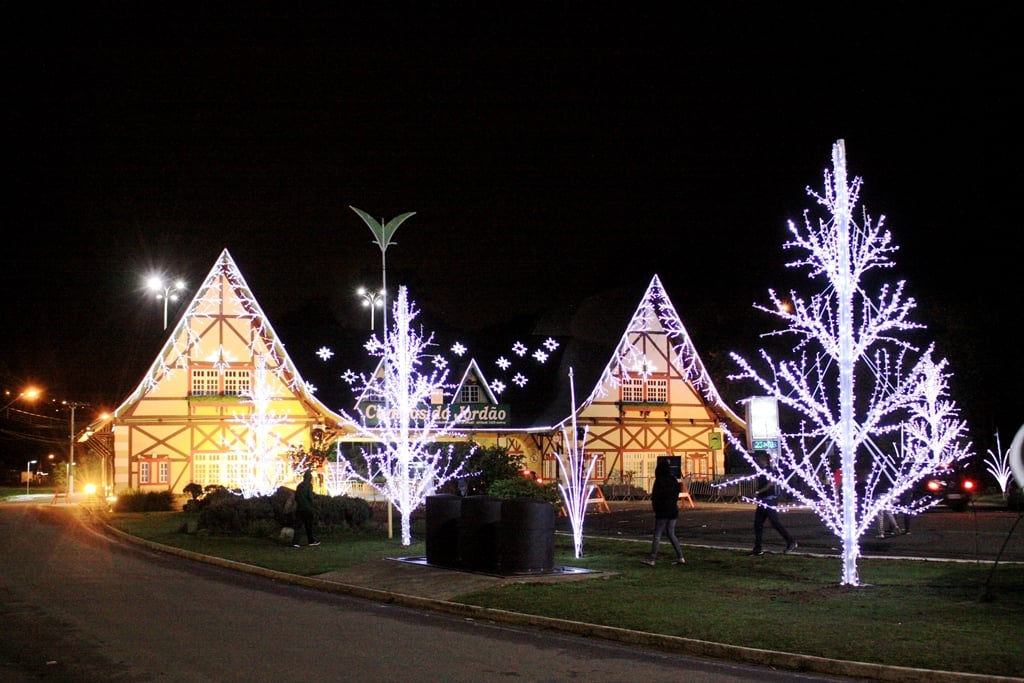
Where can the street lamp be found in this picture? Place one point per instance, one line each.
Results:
(371, 300)
(71, 446)
(167, 292)
(28, 469)
(28, 393)
(382, 234)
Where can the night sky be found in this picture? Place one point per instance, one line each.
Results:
(547, 157)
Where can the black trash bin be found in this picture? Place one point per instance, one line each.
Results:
(478, 533)
(442, 519)
(527, 544)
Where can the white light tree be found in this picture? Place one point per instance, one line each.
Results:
(574, 474)
(410, 420)
(262, 469)
(998, 465)
(849, 384)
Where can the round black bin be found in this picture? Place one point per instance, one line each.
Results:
(478, 533)
(527, 544)
(442, 520)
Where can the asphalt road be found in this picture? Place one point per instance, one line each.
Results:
(80, 606)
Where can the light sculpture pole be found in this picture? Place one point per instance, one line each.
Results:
(382, 236)
(28, 469)
(167, 292)
(71, 446)
(371, 300)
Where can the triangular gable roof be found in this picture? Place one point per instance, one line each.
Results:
(206, 302)
(474, 370)
(654, 313)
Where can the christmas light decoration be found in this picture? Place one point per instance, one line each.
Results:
(998, 465)
(261, 469)
(410, 459)
(574, 473)
(861, 415)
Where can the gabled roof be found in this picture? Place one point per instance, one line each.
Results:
(473, 370)
(206, 303)
(594, 360)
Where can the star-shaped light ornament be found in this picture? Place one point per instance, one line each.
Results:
(324, 353)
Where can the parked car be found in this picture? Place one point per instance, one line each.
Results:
(953, 487)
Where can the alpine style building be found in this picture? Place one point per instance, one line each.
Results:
(223, 392)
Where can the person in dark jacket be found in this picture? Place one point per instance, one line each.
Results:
(304, 509)
(665, 501)
(766, 512)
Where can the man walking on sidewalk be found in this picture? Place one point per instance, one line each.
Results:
(766, 500)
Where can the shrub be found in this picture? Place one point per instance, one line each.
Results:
(227, 513)
(145, 501)
(523, 487)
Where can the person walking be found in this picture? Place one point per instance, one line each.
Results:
(887, 524)
(304, 509)
(665, 502)
(766, 497)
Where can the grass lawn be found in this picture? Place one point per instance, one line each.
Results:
(947, 616)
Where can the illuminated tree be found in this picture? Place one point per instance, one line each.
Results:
(261, 468)
(849, 384)
(410, 418)
(574, 474)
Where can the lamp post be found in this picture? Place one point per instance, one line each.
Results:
(28, 469)
(371, 300)
(28, 393)
(167, 292)
(71, 446)
(382, 234)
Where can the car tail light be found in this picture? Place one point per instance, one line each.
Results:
(934, 485)
(968, 484)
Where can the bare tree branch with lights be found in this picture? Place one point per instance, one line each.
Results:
(261, 468)
(869, 403)
(411, 420)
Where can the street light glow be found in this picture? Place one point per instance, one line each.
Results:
(28, 393)
(165, 291)
(371, 300)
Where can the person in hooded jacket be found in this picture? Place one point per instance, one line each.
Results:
(304, 509)
(665, 502)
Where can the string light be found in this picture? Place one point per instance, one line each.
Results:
(408, 462)
(897, 421)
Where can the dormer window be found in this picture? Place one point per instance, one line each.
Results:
(469, 393)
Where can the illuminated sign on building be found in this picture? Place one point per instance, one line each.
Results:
(461, 414)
